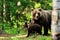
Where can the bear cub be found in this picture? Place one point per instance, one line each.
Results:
(33, 28)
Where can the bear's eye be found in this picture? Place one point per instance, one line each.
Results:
(38, 13)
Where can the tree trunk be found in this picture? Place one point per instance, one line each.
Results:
(4, 11)
(56, 20)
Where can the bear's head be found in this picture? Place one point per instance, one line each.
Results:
(25, 25)
(36, 13)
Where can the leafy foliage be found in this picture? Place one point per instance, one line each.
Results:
(15, 15)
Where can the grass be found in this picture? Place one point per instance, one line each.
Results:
(23, 32)
(32, 37)
(37, 37)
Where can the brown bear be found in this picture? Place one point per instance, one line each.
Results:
(32, 28)
(43, 18)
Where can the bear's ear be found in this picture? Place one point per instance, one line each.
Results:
(32, 9)
(26, 23)
(40, 9)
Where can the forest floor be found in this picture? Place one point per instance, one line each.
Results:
(23, 37)
(10, 35)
